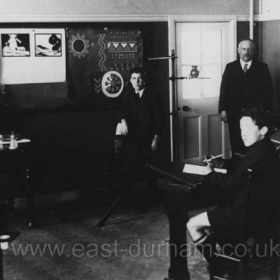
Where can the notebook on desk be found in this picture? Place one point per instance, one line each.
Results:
(199, 167)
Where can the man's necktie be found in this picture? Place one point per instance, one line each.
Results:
(137, 102)
(245, 69)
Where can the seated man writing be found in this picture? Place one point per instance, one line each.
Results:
(226, 220)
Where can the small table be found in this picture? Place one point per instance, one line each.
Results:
(15, 164)
(182, 192)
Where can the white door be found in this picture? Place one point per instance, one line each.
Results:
(202, 46)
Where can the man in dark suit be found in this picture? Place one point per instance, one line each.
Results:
(140, 120)
(246, 83)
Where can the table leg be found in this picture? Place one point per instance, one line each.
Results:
(1, 265)
(177, 214)
(29, 198)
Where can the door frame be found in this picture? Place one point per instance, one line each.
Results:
(173, 93)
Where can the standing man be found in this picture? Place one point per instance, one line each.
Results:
(141, 120)
(246, 83)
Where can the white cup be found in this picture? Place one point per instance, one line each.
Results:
(4, 245)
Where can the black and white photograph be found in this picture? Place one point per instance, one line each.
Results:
(15, 44)
(140, 140)
(22, 53)
(48, 44)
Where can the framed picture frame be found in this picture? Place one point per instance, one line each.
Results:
(32, 55)
(15, 44)
(48, 45)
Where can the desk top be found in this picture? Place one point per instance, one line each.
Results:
(174, 173)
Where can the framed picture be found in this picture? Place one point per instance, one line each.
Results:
(48, 45)
(32, 55)
(15, 45)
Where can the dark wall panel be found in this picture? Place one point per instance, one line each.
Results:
(38, 96)
(243, 32)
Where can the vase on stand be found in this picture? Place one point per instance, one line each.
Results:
(194, 72)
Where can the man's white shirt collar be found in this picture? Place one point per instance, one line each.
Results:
(249, 63)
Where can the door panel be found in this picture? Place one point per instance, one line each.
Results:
(191, 135)
(204, 46)
(214, 134)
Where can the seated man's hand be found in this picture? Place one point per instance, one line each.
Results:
(155, 142)
(218, 163)
(215, 162)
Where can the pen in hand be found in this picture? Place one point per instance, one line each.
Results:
(210, 159)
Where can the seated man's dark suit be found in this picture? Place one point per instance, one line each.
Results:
(241, 90)
(262, 159)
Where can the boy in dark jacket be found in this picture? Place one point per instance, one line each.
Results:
(227, 218)
(140, 120)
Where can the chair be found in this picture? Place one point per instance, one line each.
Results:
(258, 237)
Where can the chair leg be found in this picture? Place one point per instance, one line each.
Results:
(11, 206)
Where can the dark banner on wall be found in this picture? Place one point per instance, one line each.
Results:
(99, 62)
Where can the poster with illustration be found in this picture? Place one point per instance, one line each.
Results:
(48, 45)
(14, 44)
(32, 55)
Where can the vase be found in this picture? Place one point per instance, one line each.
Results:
(194, 72)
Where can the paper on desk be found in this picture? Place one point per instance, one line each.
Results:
(201, 170)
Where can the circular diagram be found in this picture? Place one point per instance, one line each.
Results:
(79, 45)
(112, 84)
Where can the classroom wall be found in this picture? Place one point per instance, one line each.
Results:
(72, 124)
(123, 7)
(76, 133)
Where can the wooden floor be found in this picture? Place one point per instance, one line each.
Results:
(67, 244)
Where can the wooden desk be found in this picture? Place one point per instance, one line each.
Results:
(178, 188)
